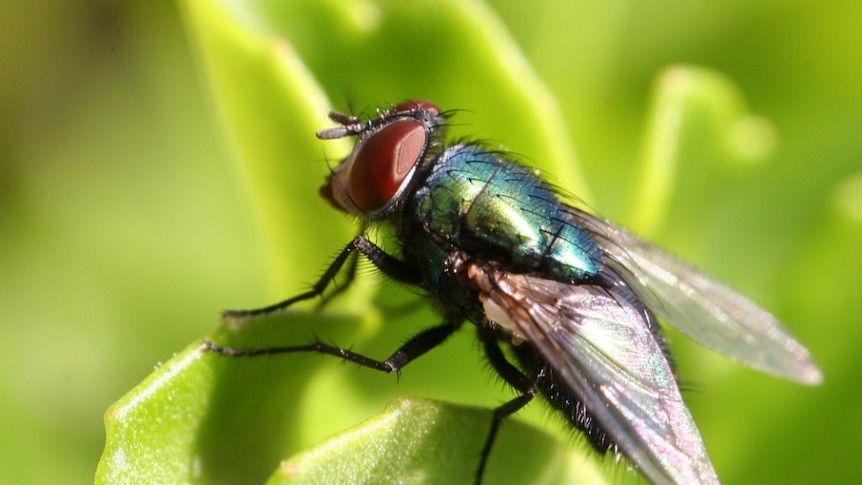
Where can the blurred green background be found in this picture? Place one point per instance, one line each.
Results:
(126, 225)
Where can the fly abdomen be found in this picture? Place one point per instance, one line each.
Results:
(561, 398)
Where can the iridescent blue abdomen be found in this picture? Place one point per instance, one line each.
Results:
(480, 202)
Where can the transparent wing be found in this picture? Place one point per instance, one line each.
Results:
(599, 342)
(702, 307)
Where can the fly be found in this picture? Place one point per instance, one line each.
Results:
(574, 297)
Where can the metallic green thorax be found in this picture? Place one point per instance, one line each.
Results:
(477, 201)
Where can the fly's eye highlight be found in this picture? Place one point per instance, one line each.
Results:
(383, 163)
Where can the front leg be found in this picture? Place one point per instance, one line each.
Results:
(388, 264)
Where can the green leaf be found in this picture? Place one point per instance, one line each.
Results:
(206, 418)
(422, 442)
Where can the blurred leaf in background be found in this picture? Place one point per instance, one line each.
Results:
(127, 225)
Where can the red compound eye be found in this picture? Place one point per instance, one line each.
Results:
(384, 161)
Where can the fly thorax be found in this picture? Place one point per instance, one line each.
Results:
(477, 200)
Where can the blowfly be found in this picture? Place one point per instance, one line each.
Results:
(574, 297)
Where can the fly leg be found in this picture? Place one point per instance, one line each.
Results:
(515, 378)
(416, 346)
(388, 264)
(350, 275)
